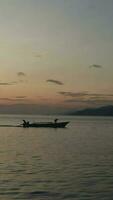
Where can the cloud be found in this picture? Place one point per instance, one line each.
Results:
(21, 74)
(5, 99)
(20, 97)
(22, 105)
(86, 95)
(87, 98)
(73, 94)
(8, 83)
(16, 99)
(38, 55)
(54, 81)
(95, 66)
(88, 102)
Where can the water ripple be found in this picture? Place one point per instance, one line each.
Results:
(65, 165)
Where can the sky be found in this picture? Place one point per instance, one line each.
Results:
(55, 55)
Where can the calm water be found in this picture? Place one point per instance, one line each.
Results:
(75, 163)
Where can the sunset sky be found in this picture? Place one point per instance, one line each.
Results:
(55, 55)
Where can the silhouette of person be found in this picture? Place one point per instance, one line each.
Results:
(25, 123)
(55, 120)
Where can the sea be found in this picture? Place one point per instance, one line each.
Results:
(74, 163)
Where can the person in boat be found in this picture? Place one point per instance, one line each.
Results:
(55, 120)
(25, 123)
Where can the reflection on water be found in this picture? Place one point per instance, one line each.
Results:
(72, 163)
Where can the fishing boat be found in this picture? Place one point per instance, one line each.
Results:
(55, 124)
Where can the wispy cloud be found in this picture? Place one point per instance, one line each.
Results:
(96, 66)
(87, 98)
(85, 95)
(5, 99)
(73, 94)
(38, 55)
(21, 97)
(8, 99)
(8, 83)
(89, 101)
(14, 99)
(54, 81)
(21, 74)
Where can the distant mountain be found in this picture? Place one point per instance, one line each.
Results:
(101, 111)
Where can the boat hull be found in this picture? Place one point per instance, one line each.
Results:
(46, 125)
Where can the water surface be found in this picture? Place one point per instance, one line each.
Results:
(44, 163)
